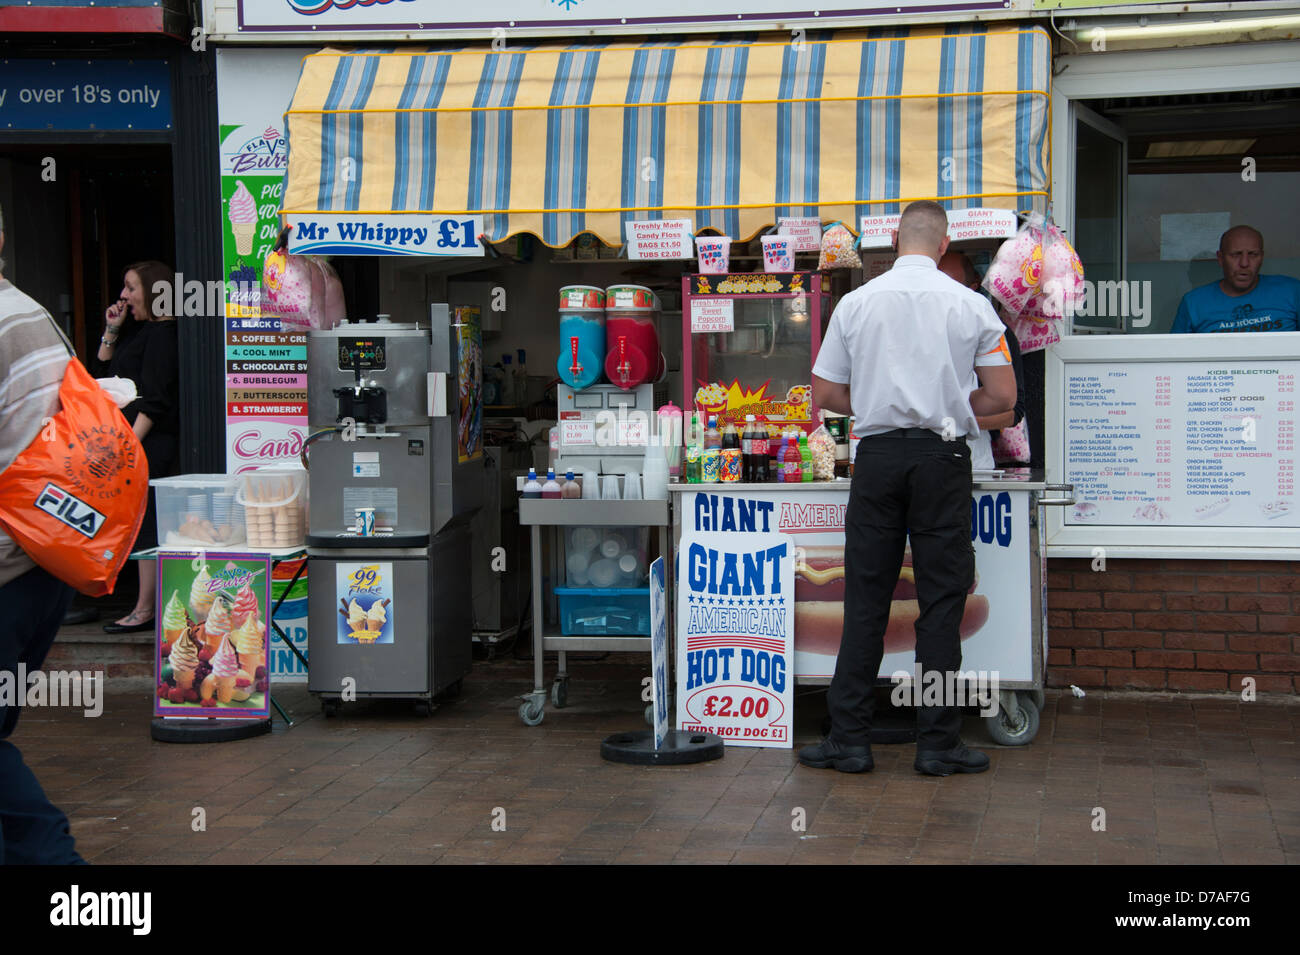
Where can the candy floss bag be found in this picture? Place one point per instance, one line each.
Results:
(74, 498)
(1017, 269)
(302, 290)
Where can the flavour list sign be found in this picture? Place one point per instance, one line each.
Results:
(735, 637)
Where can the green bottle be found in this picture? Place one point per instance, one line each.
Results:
(805, 458)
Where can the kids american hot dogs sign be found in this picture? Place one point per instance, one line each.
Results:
(735, 638)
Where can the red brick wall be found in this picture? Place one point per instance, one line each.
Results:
(1174, 624)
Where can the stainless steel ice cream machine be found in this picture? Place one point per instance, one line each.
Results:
(396, 468)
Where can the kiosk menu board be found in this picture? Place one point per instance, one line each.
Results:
(1182, 443)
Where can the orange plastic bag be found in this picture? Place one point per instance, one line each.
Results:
(74, 498)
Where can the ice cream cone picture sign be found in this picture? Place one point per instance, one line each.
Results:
(365, 605)
(242, 213)
(212, 644)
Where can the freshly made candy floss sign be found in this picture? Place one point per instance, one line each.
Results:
(735, 639)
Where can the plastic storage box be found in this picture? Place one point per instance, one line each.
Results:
(199, 511)
(274, 500)
(604, 611)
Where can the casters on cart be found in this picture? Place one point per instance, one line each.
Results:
(423, 708)
(1016, 721)
(532, 709)
(559, 694)
(330, 708)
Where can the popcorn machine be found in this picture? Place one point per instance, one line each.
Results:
(751, 340)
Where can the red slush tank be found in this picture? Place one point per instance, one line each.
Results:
(632, 354)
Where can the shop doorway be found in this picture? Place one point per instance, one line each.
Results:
(75, 216)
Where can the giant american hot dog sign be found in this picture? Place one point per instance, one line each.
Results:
(996, 627)
(735, 637)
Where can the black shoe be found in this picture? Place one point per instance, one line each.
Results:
(959, 759)
(828, 754)
(128, 627)
(76, 615)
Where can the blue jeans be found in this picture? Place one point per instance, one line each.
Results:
(32, 830)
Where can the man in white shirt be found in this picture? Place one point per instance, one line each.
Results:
(914, 357)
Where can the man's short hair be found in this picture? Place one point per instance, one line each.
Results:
(1223, 239)
(924, 223)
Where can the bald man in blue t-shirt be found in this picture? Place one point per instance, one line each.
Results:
(1244, 300)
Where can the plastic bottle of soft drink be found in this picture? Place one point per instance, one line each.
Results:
(572, 490)
(805, 458)
(748, 469)
(730, 438)
(761, 472)
(532, 487)
(712, 439)
(694, 451)
(551, 490)
(791, 463)
(773, 453)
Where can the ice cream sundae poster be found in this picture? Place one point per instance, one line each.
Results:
(212, 645)
(365, 603)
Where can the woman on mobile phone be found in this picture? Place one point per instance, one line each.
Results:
(139, 343)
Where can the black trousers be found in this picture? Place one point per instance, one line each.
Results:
(913, 484)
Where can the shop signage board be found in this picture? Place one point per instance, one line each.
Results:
(266, 369)
(85, 94)
(996, 627)
(212, 637)
(963, 225)
(660, 239)
(327, 16)
(659, 652)
(1188, 443)
(735, 637)
(389, 233)
(806, 232)
(712, 315)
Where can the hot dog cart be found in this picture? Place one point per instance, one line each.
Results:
(1004, 628)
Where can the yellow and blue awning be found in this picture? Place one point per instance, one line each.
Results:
(559, 140)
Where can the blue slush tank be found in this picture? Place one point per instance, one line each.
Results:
(581, 362)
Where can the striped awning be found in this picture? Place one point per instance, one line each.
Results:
(560, 140)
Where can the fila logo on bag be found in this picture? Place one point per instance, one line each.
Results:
(73, 511)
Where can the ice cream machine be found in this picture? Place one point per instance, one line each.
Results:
(396, 470)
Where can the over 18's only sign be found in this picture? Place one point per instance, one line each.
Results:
(735, 637)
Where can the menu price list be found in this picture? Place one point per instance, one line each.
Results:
(1209, 444)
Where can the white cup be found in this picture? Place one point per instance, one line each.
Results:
(632, 486)
(590, 486)
(609, 488)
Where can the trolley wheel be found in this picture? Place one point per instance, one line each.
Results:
(560, 694)
(531, 712)
(1019, 731)
(330, 708)
(423, 708)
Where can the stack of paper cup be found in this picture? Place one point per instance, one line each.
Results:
(590, 486)
(604, 573)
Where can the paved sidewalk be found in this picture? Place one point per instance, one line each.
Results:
(1181, 780)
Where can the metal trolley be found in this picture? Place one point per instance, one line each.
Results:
(549, 514)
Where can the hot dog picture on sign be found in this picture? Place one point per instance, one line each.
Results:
(735, 640)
